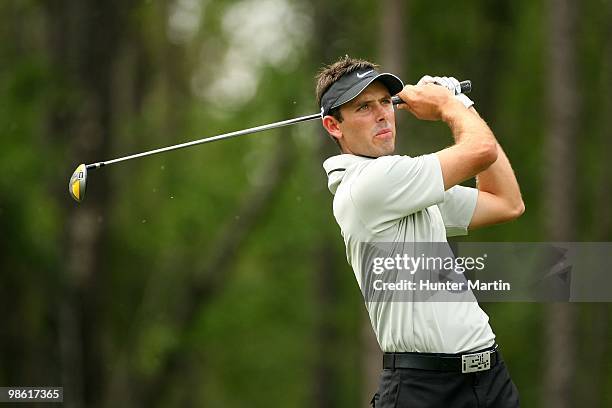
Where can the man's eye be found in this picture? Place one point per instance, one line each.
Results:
(363, 107)
(386, 101)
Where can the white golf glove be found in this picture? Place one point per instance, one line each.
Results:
(449, 83)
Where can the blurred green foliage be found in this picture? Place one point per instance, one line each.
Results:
(216, 276)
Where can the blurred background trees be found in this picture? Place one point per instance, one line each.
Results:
(216, 276)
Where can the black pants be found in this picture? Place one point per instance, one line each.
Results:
(413, 388)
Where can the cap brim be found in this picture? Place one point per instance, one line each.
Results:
(393, 84)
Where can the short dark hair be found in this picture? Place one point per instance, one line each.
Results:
(329, 74)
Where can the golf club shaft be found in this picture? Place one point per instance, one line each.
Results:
(207, 140)
(466, 86)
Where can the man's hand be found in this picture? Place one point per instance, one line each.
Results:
(429, 101)
(450, 83)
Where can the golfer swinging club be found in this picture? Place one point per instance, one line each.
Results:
(381, 197)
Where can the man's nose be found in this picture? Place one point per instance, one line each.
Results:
(382, 112)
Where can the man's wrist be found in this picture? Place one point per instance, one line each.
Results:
(467, 102)
(453, 111)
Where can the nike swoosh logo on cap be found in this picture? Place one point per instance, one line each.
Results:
(363, 75)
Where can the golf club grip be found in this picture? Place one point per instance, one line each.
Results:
(466, 87)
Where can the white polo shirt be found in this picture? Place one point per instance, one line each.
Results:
(402, 199)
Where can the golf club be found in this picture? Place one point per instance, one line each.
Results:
(78, 181)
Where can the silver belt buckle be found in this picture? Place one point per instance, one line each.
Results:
(471, 363)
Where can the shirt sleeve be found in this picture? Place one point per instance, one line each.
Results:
(457, 209)
(392, 187)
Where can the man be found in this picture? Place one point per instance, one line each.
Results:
(436, 354)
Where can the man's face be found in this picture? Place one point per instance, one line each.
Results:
(368, 125)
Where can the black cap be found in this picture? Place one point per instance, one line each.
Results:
(352, 84)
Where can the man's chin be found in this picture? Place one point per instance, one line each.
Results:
(387, 148)
(375, 150)
(384, 151)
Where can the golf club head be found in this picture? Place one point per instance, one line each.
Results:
(78, 183)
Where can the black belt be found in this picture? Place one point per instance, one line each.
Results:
(463, 363)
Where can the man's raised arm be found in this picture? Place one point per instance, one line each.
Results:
(475, 147)
(475, 153)
(499, 195)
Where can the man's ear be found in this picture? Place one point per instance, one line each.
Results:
(332, 125)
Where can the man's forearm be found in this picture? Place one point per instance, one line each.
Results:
(467, 128)
(499, 180)
(475, 147)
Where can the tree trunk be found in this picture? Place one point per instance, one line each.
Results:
(325, 329)
(393, 59)
(84, 55)
(596, 324)
(560, 165)
(325, 334)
